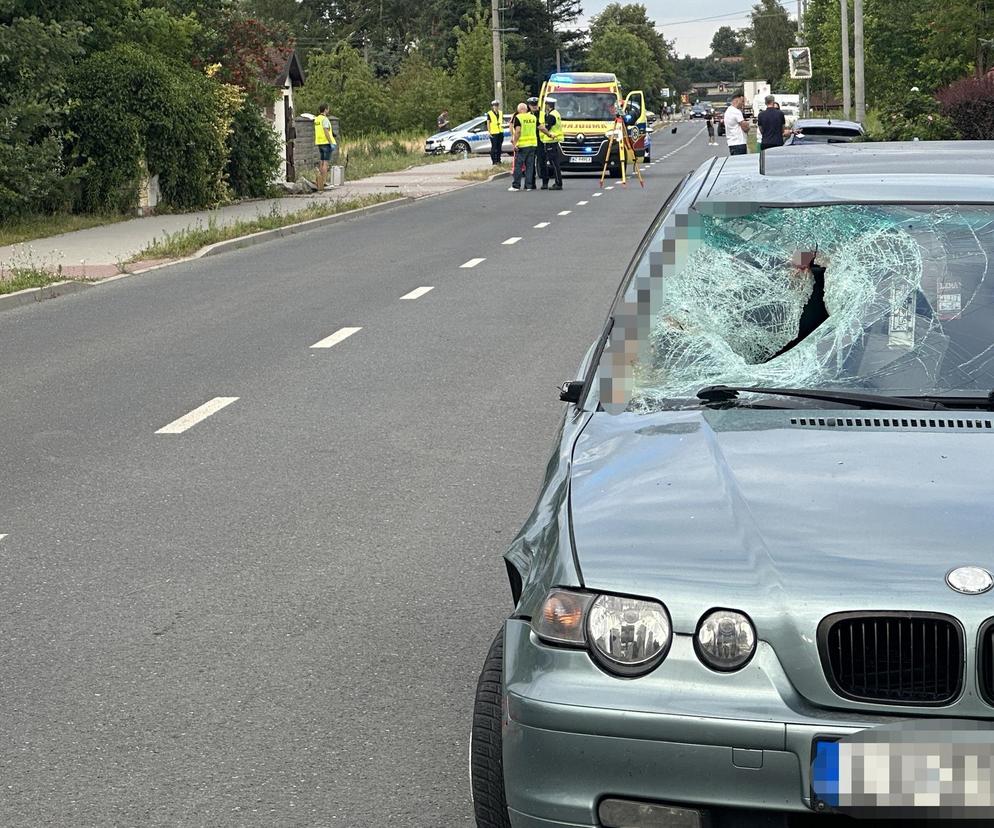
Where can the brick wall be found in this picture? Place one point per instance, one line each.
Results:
(305, 153)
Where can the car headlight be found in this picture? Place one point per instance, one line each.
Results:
(628, 636)
(725, 640)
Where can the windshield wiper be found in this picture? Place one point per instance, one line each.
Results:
(730, 393)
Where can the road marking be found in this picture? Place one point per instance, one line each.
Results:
(338, 336)
(682, 146)
(565, 212)
(2, 537)
(472, 263)
(597, 195)
(581, 203)
(417, 293)
(609, 188)
(542, 224)
(204, 411)
(512, 240)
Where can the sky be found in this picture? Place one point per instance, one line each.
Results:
(673, 18)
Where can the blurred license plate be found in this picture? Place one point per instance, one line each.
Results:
(587, 160)
(951, 775)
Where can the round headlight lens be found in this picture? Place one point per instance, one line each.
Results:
(628, 636)
(725, 640)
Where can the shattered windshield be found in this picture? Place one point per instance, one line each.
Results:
(885, 299)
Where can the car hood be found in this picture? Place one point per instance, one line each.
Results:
(760, 511)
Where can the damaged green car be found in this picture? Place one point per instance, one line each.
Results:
(756, 586)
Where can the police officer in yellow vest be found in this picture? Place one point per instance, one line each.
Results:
(495, 128)
(525, 141)
(550, 151)
(324, 139)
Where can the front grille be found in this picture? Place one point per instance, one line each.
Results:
(985, 660)
(893, 658)
(571, 147)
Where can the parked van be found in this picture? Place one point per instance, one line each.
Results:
(589, 103)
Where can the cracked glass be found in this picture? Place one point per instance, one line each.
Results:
(899, 298)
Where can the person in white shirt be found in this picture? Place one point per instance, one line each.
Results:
(736, 127)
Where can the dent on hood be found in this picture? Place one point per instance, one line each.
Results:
(719, 294)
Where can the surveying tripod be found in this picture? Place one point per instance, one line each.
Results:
(619, 135)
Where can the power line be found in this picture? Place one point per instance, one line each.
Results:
(743, 13)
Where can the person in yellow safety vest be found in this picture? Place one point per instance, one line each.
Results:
(550, 150)
(525, 142)
(324, 139)
(495, 127)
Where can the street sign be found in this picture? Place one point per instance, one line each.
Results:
(799, 58)
(664, 92)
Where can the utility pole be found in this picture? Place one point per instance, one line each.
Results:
(846, 83)
(498, 57)
(858, 44)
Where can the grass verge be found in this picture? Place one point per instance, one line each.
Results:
(29, 228)
(22, 278)
(484, 173)
(188, 241)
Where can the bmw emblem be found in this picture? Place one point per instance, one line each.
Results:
(970, 580)
(580, 137)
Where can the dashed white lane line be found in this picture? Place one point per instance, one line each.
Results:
(2, 537)
(198, 414)
(417, 293)
(512, 240)
(338, 336)
(597, 195)
(472, 263)
(609, 188)
(542, 224)
(581, 203)
(565, 212)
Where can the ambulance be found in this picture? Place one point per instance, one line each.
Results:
(589, 103)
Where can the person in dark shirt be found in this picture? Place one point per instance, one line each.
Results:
(772, 125)
(709, 123)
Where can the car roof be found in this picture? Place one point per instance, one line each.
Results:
(907, 172)
(829, 122)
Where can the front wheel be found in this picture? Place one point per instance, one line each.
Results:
(486, 752)
(459, 146)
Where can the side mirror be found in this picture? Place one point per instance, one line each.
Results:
(571, 392)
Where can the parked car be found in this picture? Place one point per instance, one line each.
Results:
(760, 565)
(471, 136)
(825, 131)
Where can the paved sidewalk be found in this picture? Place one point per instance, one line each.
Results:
(102, 251)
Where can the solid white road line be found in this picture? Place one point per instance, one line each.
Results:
(682, 146)
(565, 212)
(417, 293)
(541, 224)
(336, 337)
(512, 240)
(202, 413)
(581, 203)
(472, 263)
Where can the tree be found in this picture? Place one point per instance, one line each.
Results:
(472, 75)
(35, 58)
(619, 51)
(418, 92)
(771, 34)
(726, 43)
(632, 19)
(344, 81)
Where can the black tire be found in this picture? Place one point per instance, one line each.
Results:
(486, 757)
(459, 146)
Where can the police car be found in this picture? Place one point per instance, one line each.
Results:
(471, 136)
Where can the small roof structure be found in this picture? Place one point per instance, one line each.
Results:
(288, 66)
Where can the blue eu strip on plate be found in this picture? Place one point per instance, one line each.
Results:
(825, 772)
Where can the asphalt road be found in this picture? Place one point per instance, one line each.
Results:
(277, 616)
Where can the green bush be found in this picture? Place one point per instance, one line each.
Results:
(914, 116)
(253, 152)
(132, 106)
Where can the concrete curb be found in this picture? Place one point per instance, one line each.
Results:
(29, 296)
